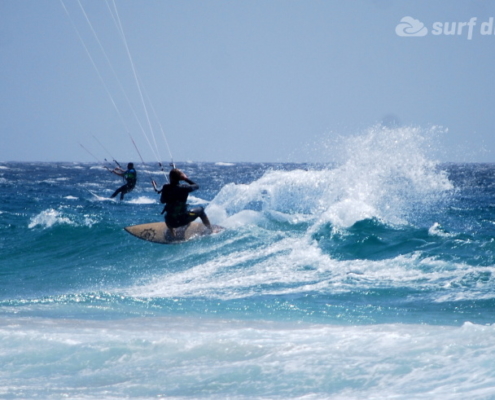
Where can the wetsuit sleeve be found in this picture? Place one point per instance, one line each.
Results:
(192, 186)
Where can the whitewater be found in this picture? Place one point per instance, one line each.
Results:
(369, 277)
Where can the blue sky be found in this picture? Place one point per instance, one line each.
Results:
(258, 80)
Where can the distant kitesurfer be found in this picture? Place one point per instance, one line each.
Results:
(130, 177)
(174, 195)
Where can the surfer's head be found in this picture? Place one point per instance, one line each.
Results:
(175, 176)
(130, 165)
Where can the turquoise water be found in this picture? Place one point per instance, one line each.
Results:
(367, 278)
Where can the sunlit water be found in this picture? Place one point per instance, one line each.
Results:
(367, 278)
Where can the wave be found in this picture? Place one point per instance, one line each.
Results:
(51, 217)
(279, 271)
(379, 261)
(211, 358)
(363, 225)
(387, 175)
(406, 268)
(224, 164)
(366, 225)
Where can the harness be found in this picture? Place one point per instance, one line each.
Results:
(130, 176)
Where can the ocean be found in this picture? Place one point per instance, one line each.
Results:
(367, 277)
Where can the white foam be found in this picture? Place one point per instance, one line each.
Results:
(437, 230)
(283, 191)
(216, 214)
(386, 172)
(242, 218)
(347, 212)
(75, 166)
(193, 200)
(220, 358)
(385, 175)
(51, 217)
(48, 218)
(141, 200)
(295, 264)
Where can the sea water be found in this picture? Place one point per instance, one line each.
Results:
(367, 278)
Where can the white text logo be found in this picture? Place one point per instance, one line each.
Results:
(408, 26)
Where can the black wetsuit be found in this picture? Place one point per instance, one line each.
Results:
(175, 199)
(131, 177)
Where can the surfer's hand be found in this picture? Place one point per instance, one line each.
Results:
(153, 183)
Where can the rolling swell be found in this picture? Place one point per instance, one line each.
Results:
(374, 240)
(369, 278)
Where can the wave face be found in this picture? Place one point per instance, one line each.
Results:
(371, 277)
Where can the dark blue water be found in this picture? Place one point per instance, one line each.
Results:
(372, 277)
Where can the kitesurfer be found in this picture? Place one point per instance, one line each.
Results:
(174, 196)
(130, 177)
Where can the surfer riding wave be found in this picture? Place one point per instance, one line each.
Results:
(174, 196)
(130, 177)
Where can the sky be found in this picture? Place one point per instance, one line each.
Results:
(241, 81)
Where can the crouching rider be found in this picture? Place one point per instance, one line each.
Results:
(174, 196)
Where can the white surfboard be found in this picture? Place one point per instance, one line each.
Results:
(157, 232)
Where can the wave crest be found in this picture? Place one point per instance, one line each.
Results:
(386, 174)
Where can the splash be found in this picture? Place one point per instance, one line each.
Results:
(51, 217)
(48, 218)
(437, 230)
(386, 174)
(142, 200)
(290, 192)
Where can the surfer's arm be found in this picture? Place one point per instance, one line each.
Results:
(154, 186)
(118, 171)
(192, 186)
(184, 178)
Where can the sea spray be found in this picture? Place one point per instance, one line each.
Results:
(48, 218)
(296, 191)
(363, 208)
(386, 175)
